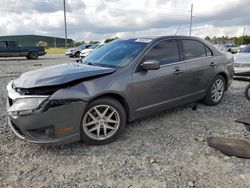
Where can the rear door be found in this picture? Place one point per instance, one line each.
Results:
(13, 49)
(199, 66)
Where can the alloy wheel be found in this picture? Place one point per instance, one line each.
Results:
(101, 122)
(218, 90)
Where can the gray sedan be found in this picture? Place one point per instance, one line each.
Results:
(93, 99)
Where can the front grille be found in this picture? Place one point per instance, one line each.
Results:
(49, 90)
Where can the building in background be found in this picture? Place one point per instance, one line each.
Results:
(35, 40)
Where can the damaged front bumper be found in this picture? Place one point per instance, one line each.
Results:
(55, 122)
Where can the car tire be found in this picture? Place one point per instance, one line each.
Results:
(247, 92)
(33, 55)
(215, 91)
(103, 121)
(77, 54)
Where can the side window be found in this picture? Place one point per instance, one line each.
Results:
(208, 51)
(11, 44)
(193, 49)
(165, 51)
(2, 44)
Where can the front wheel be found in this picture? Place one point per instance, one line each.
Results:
(77, 54)
(247, 92)
(103, 121)
(215, 91)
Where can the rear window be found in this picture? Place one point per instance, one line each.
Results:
(208, 51)
(246, 49)
(193, 49)
(12, 44)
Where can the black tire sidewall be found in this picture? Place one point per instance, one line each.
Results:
(246, 92)
(33, 55)
(77, 54)
(208, 99)
(123, 119)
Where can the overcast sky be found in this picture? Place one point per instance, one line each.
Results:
(99, 19)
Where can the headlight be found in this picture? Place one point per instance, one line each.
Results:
(25, 106)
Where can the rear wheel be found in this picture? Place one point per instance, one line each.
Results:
(33, 55)
(103, 121)
(216, 91)
(247, 92)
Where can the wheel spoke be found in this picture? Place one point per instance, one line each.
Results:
(105, 130)
(109, 127)
(105, 111)
(92, 116)
(98, 131)
(112, 121)
(94, 128)
(90, 123)
(98, 112)
(111, 114)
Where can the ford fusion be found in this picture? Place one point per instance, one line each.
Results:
(93, 99)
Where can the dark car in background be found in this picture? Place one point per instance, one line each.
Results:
(12, 49)
(92, 100)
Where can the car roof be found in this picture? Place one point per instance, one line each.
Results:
(166, 36)
(158, 38)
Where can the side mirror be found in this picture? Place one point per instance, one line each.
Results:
(151, 65)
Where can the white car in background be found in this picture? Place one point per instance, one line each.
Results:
(75, 52)
(86, 52)
(228, 48)
(242, 60)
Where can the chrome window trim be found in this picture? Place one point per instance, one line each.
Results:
(186, 61)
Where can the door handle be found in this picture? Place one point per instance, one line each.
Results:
(178, 71)
(212, 64)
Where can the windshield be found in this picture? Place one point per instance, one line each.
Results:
(94, 46)
(118, 53)
(246, 49)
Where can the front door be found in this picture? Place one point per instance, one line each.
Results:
(156, 88)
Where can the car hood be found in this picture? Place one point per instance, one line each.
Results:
(60, 74)
(68, 50)
(242, 58)
(86, 50)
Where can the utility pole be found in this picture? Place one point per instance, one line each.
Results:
(65, 24)
(55, 42)
(244, 29)
(191, 20)
(177, 30)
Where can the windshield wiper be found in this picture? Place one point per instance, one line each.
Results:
(90, 63)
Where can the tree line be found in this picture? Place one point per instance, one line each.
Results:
(226, 39)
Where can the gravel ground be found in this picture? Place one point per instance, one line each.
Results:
(165, 150)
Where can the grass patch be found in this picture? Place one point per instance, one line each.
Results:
(55, 50)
